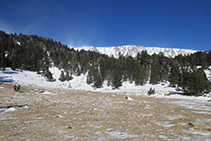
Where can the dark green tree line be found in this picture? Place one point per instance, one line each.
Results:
(39, 54)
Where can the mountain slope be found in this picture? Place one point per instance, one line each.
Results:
(132, 50)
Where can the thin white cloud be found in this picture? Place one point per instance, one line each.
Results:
(5, 27)
(78, 42)
(8, 28)
(70, 43)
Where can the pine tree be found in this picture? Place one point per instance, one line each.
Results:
(15, 62)
(68, 77)
(2, 59)
(143, 58)
(131, 68)
(154, 78)
(195, 82)
(117, 79)
(209, 57)
(62, 77)
(94, 77)
(140, 77)
(48, 75)
(175, 75)
(97, 81)
(102, 68)
(151, 91)
(89, 79)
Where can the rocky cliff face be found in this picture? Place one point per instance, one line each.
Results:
(133, 50)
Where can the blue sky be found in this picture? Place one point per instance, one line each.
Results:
(150, 23)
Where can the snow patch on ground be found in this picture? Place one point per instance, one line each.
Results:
(2, 110)
(47, 92)
(194, 105)
(120, 135)
(198, 132)
(164, 124)
(200, 112)
(129, 98)
(11, 109)
(175, 117)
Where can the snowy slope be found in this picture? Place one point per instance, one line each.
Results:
(79, 83)
(32, 78)
(132, 50)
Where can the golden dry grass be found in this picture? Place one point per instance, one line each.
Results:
(86, 115)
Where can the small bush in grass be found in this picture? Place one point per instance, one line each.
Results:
(151, 91)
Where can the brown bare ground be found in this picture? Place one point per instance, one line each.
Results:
(85, 115)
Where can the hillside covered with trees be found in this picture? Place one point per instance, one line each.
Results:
(30, 52)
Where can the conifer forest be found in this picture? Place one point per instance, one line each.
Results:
(34, 53)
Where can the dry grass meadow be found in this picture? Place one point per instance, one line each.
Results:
(85, 115)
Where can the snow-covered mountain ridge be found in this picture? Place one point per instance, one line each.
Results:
(133, 50)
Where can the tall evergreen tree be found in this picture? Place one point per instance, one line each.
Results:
(49, 75)
(195, 82)
(117, 76)
(62, 77)
(2, 59)
(90, 76)
(154, 77)
(102, 68)
(68, 77)
(175, 75)
(140, 76)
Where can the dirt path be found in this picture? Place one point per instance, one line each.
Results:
(82, 115)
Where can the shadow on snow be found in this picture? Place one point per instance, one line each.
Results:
(180, 93)
(4, 79)
(7, 79)
(6, 71)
